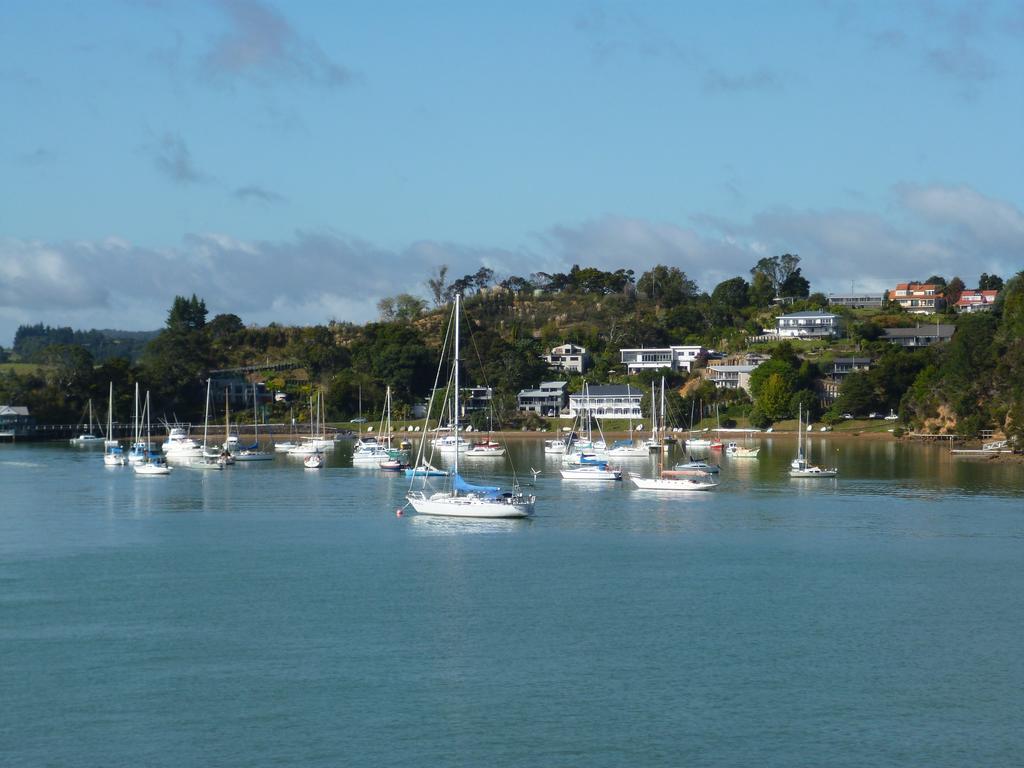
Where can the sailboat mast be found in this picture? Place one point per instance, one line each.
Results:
(661, 424)
(255, 418)
(456, 379)
(110, 414)
(137, 429)
(206, 417)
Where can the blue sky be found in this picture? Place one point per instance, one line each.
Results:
(297, 162)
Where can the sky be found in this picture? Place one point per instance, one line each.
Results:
(297, 162)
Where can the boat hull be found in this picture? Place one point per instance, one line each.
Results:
(808, 473)
(585, 474)
(671, 484)
(253, 456)
(446, 505)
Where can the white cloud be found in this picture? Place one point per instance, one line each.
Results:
(314, 277)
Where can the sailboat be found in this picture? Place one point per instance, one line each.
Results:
(87, 438)
(154, 465)
(113, 456)
(253, 452)
(209, 459)
(747, 451)
(688, 479)
(137, 455)
(801, 465)
(694, 440)
(369, 450)
(460, 498)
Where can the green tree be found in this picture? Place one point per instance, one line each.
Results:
(666, 285)
(186, 314)
(989, 282)
(732, 294)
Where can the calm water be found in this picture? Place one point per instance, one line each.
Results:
(271, 616)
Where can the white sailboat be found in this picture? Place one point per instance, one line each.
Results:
(153, 466)
(737, 451)
(253, 452)
(113, 456)
(87, 438)
(208, 459)
(137, 455)
(460, 498)
(688, 479)
(801, 466)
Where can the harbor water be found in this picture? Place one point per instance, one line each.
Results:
(268, 615)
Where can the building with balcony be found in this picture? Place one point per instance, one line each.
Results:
(807, 325)
(607, 401)
(836, 373)
(15, 420)
(730, 376)
(975, 301)
(919, 298)
(921, 335)
(857, 300)
(676, 357)
(570, 358)
(549, 399)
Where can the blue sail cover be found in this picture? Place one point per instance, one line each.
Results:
(485, 490)
(590, 461)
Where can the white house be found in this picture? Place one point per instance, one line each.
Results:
(568, 357)
(607, 401)
(676, 357)
(807, 325)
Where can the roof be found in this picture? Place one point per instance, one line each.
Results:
(568, 349)
(810, 313)
(939, 330)
(732, 368)
(853, 360)
(983, 297)
(670, 350)
(550, 384)
(14, 410)
(918, 287)
(611, 390)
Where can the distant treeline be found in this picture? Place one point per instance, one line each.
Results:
(31, 342)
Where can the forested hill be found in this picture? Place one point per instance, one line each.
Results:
(32, 341)
(972, 383)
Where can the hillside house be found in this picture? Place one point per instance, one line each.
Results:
(919, 298)
(975, 301)
(570, 358)
(920, 335)
(549, 399)
(813, 324)
(676, 357)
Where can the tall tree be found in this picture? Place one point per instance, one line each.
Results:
(666, 285)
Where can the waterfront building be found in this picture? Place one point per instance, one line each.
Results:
(677, 357)
(549, 399)
(15, 420)
(607, 401)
